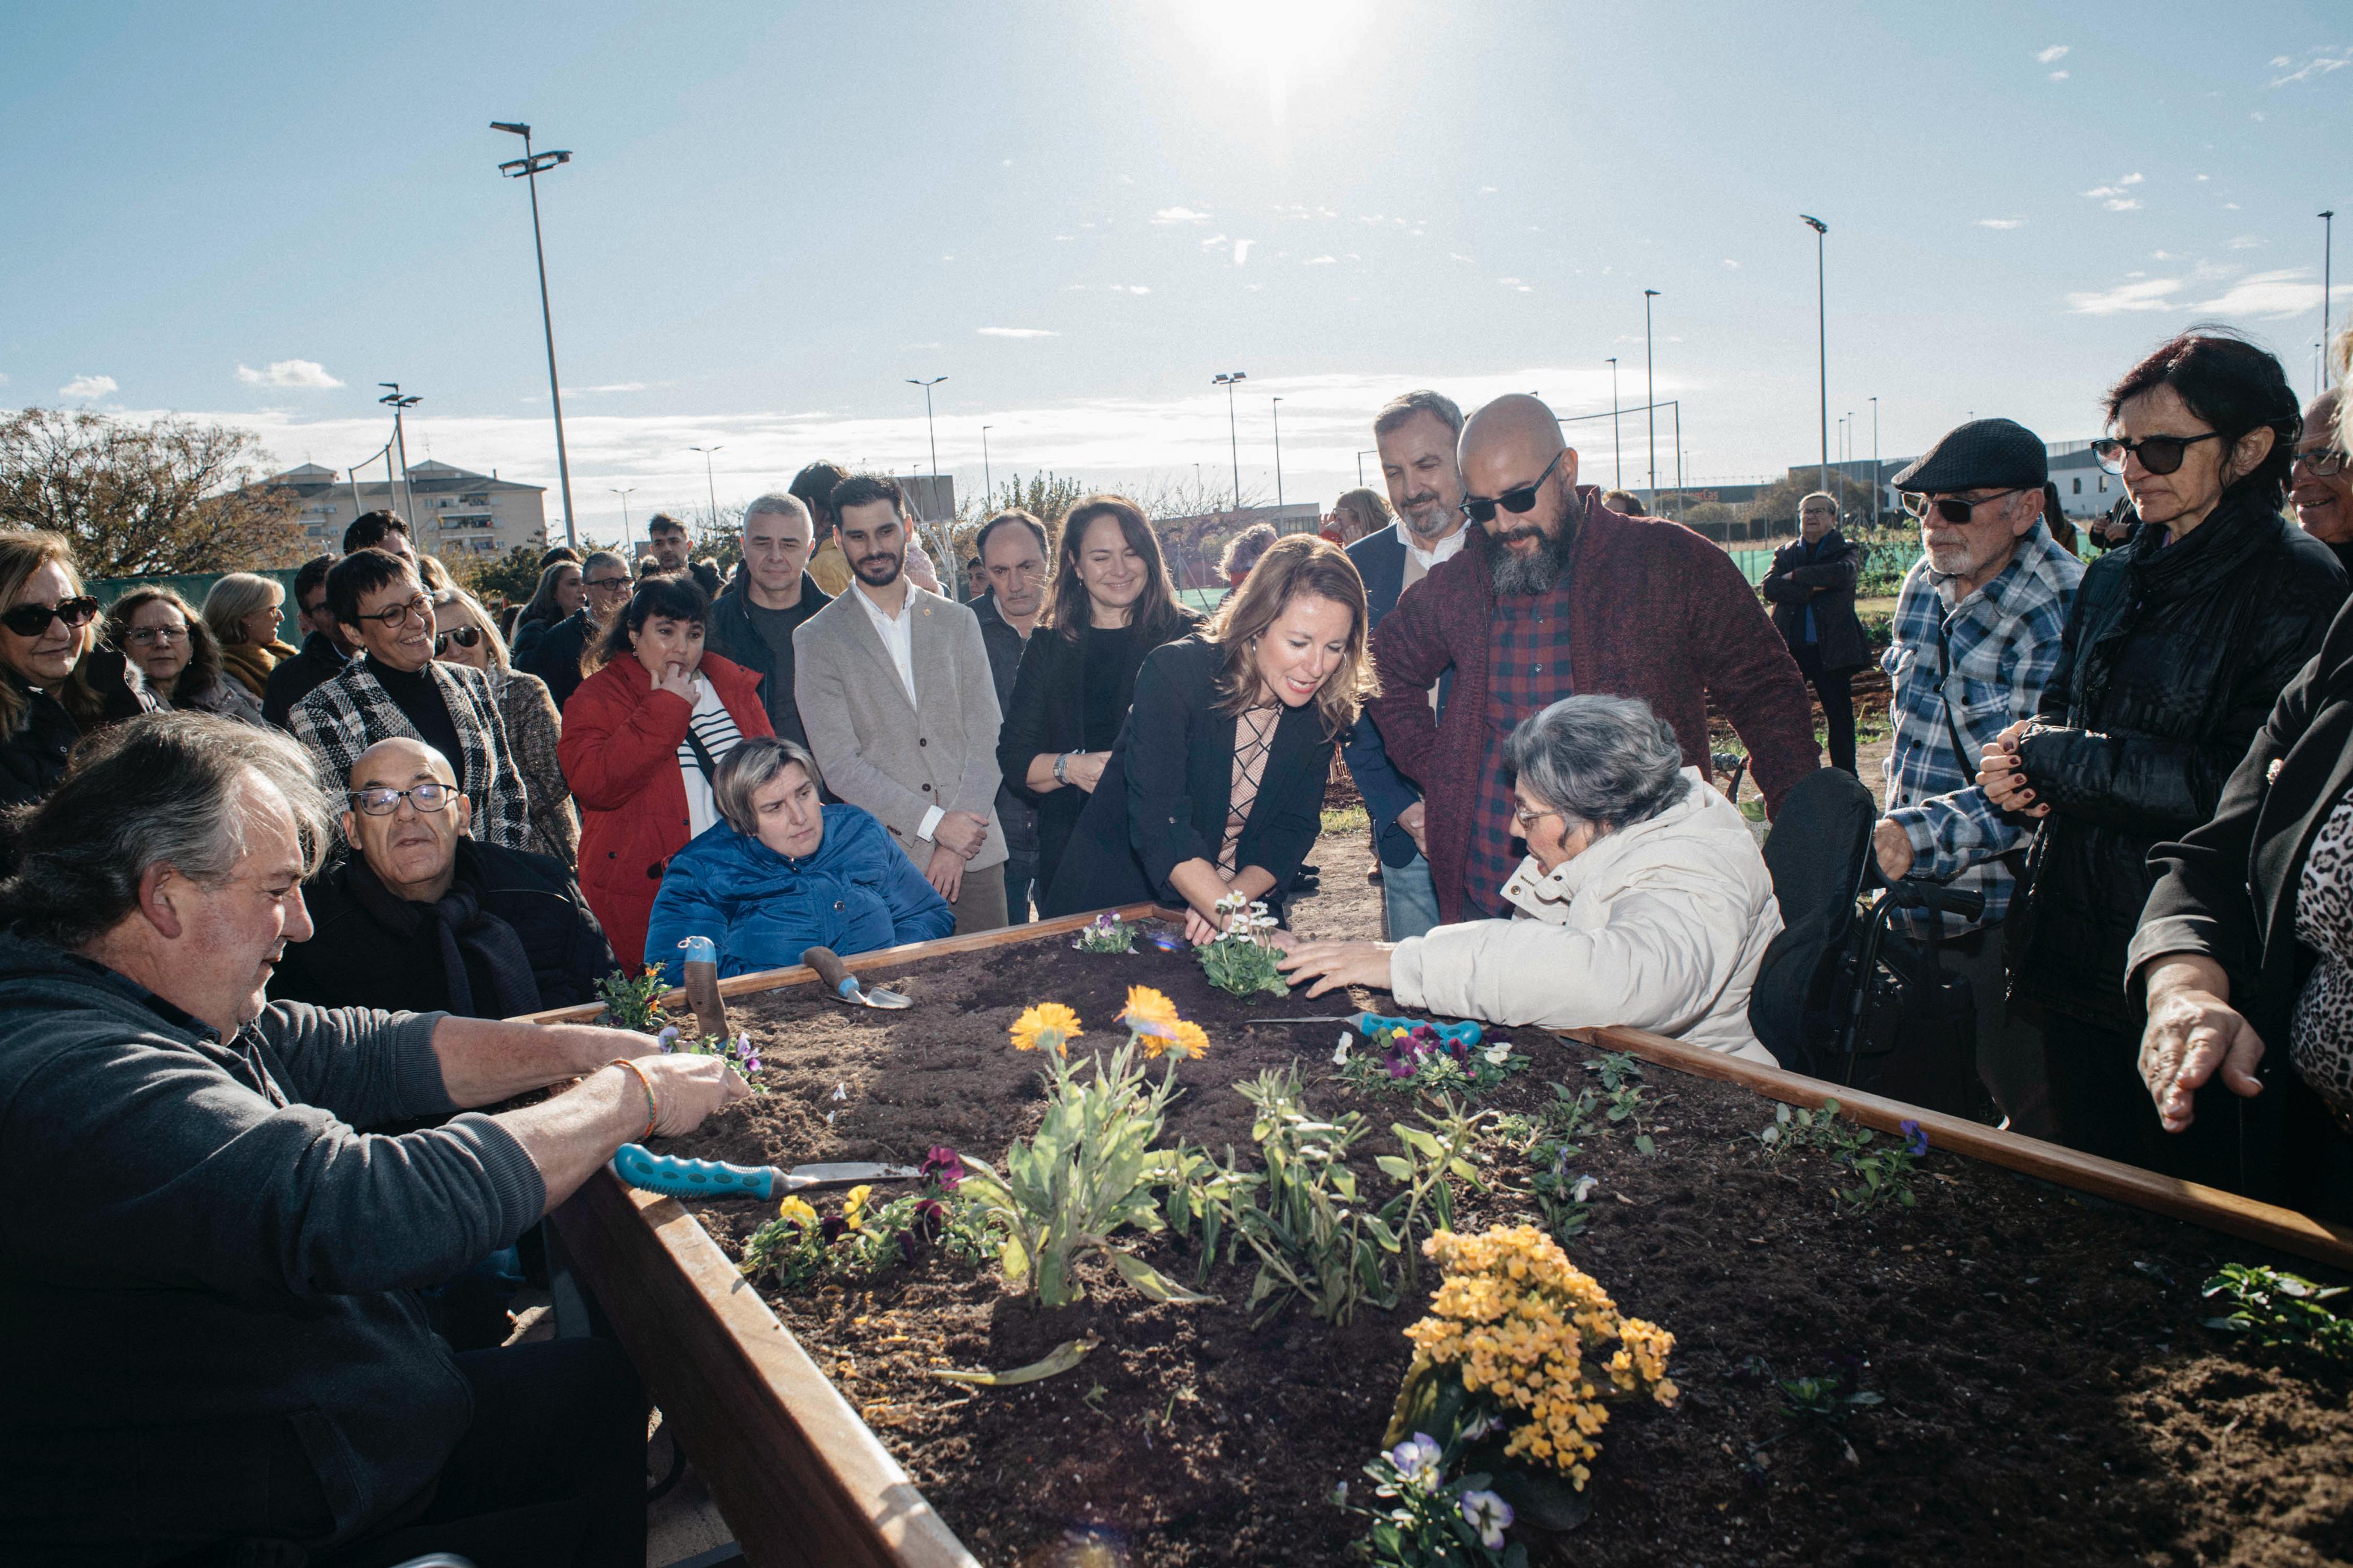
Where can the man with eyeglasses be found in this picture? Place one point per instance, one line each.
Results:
(421, 918)
(396, 687)
(1557, 595)
(555, 659)
(1976, 637)
(752, 623)
(1012, 555)
(325, 646)
(2322, 479)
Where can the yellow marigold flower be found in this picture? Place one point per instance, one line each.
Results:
(1149, 1013)
(796, 1209)
(1190, 1041)
(1048, 1025)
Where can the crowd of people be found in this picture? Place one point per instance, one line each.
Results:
(260, 894)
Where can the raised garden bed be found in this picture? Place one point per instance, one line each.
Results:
(2044, 1388)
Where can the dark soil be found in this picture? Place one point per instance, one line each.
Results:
(2050, 1395)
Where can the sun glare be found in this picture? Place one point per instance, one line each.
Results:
(1286, 41)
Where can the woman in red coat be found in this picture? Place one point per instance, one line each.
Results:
(641, 738)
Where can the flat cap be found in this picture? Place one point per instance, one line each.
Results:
(1982, 454)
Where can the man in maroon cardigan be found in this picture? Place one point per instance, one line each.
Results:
(1556, 595)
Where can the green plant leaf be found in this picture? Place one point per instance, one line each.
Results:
(1150, 1282)
(1063, 1357)
(1396, 1170)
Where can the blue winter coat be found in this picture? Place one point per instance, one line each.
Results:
(856, 893)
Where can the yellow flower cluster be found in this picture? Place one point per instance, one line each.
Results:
(1153, 1023)
(1518, 1321)
(1048, 1025)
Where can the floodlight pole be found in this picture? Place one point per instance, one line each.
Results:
(393, 400)
(710, 487)
(1278, 452)
(987, 480)
(1650, 392)
(625, 519)
(1823, 325)
(1874, 462)
(1617, 452)
(2327, 261)
(528, 169)
(1229, 380)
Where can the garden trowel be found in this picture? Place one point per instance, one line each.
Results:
(844, 985)
(681, 1178)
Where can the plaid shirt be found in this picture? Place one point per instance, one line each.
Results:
(1527, 671)
(2003, 641)
(352, 711)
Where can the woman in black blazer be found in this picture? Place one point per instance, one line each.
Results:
(1215, 786)
(2243, 948)
(1112, 604)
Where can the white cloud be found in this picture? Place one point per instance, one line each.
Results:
(2000, 222)
(1179, 214)
(1130, 287)
(2099, 191)
(2268, 294)
(1242, 251)
(2149, 294)
(2058, 76)
(2055, 52)
(89, 387)
(2201, 179)
(1127, 179)
(1516, 285)
(2160, 256)
(1735, 266)
(1214, 241)
(2130, 180)
(1457, 256)
(2230, 207)
(287, 373)
(1486, 190)
(2279, 62)
(4, 378)
(1321, 261)
(1016, 333)
(2320, 64)
(2247, 242)
(2121, 204)
(616, 386)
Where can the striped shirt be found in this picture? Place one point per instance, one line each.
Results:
(1983, 663)
(714, 726)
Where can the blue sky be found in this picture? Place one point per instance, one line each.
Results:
(1080, 213)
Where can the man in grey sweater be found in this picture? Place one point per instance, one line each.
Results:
(208, 1328)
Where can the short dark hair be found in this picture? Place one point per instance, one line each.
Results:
(662, 523)
(980, 540)
(312, 576)
(371, 529)
(357, 575)
(814, 485)
(865, 489)
(2230, 384)
(672, 596)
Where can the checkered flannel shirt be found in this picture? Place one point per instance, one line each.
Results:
(352, 711)
(1527, 671)
(2003, 642)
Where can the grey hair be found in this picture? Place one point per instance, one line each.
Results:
(176, 789)
(782, 505)
(609, 557)
(750, 767)
(1399, 409)
(1606, 762)
(1817, 495)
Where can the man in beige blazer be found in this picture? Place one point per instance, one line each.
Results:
(894, 691)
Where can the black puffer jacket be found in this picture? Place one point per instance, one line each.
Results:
(2172, 658)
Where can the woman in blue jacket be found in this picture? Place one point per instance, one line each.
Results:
(782, 873)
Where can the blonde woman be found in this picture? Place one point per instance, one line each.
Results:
(245, 612)
(1214, 786)
(170, 645)
(463, 633)
(56, 684)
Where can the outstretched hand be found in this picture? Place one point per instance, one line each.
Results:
(1334, 965)
(2192, 1034)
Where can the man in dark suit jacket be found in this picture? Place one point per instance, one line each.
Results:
(325, 646)
(421, 918)
(1812, 590)
(1416, 435)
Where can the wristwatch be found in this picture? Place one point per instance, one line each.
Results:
(1062, 768)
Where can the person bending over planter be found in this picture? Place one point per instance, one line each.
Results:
(784, 873)
(268, 1389)
(1216, 784)
(1644, 900)
(422, 918)
(642, 740)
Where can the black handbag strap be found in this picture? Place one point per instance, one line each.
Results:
(702, 757)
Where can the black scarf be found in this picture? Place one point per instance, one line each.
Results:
(463, 928)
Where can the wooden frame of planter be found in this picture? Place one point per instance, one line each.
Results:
(805, 1483)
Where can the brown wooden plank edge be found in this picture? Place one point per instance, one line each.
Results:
(2285, 1229)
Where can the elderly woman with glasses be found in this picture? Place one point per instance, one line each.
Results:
(56, 683)
(785, 872)
(174, 649)
(463, 633)
(2179, 643)
(1643, 899)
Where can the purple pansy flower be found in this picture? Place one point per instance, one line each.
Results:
(1915, 1136)
(942, 1165)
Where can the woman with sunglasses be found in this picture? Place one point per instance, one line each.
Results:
(643, 738)
(174, 649)
(56, 686)
(463, 633)
(245, 611)
(2177, 646)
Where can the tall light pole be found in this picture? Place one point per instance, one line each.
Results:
(1278, 451)
(1368, 452)
(988, 482)
(2328, 259)
(1617, 453)
(1822, 322)
(1229, 380)
(929, 429)
(1650, 392)
(399, 404)
(710, 488)
(1874, 462)
(624, 518)
(528, 168)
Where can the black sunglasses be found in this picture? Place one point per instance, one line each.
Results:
(1951, 509)
(1479, 509)
(32, 620)
(464, 637)
(2158, 454)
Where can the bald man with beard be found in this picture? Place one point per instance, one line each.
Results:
(1556, 594)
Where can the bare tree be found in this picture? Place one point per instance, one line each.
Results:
(155, 500)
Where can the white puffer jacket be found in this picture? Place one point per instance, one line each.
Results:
(1659, 926)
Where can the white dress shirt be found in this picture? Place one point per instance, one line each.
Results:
(1445, 549)
(897, 635)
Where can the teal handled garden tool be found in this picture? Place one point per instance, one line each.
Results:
(638, 1167)
(1371, 1023)
(844, 985)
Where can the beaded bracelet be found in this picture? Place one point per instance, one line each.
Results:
(653, 1111)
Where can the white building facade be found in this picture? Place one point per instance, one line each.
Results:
(450, 510)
